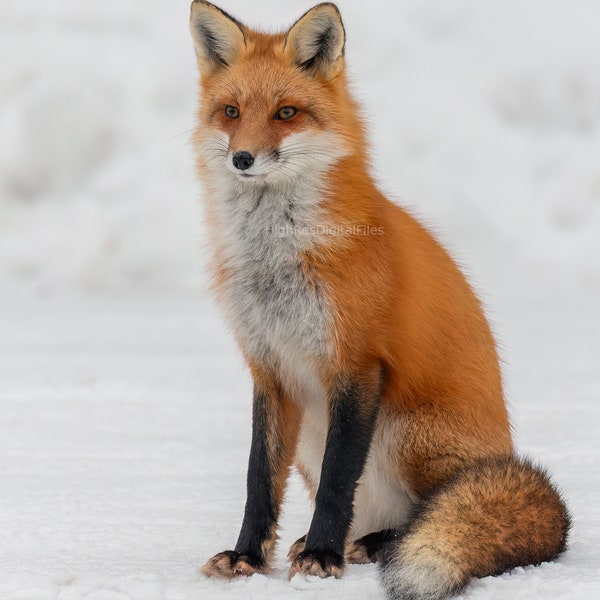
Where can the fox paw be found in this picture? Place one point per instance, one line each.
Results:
(295, 549)
(229, 564)
(319, 563)
(371, 548)
(357, 553)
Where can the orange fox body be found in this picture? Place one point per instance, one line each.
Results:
(374, 368)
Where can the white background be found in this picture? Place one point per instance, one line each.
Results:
(124, 406)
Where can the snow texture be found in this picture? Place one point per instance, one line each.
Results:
(124, 405)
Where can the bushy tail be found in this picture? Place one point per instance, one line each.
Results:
(498, 514)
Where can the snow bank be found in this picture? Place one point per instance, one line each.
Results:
(485, 120)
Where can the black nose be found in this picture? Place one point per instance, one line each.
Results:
(243, 160)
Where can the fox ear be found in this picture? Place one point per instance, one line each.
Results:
(218, 37)
(316, 40)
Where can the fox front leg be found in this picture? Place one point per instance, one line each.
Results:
(353, 408)
(275, 423)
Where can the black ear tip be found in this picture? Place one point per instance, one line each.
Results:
(330, 4)
(327, 6)
(215, 8)
(196, 3)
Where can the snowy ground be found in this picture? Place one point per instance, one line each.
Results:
(124, 407)
(125, 430)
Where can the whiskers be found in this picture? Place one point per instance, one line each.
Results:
(187, 132)
(214, 151)
(307, 154)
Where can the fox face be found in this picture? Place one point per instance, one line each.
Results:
(272, 106)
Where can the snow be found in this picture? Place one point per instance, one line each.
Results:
(125, 429)
(125, 413)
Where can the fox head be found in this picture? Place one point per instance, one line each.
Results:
(272, 107)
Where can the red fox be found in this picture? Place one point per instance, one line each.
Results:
(375, 372)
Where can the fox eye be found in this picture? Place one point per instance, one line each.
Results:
(232, 112)
(287, 112)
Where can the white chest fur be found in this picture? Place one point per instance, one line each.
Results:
(275, 302)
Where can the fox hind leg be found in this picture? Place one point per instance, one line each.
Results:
(370, 548)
